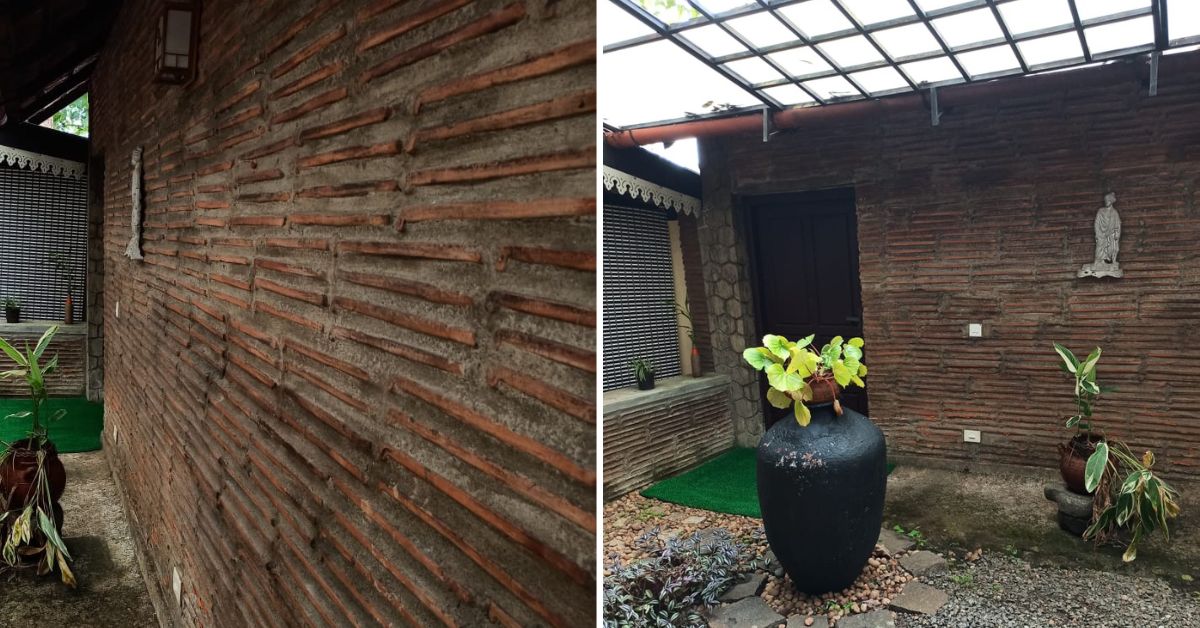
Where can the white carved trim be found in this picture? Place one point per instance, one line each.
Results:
(626, 184)
(34, 161)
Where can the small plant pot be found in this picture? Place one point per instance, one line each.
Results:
(824, 389)
(12, 315)
(646, 383)
(19, 469)
(69, 312)
(1072, 461)
(696, 371)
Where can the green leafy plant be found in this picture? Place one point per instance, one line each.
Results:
(915, 534)
(12, 303)
(1087, 391)
(62, 271)
(34, 373)
(31, 529)
(643, 370)
(686, 313)
(670, 588)
(1142, 503)
(794, 368)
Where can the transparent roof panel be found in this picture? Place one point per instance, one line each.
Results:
(850, 51)
(880, 80)
(816, 17)
(713, 40)
(1090, 9)
(1120, 35)
(669, 12)
(1052, 49)
(789, 95)
(644, 92)
(1027, 16)
(754, 70)
(721, 6)
(932, 71)
(906, 41)
(616, 24)
(802, 61)
(934, 5)
(762, 29)
(832, 88)
(1183, 19)
(971, 27)
(868, 12)
(988, 61)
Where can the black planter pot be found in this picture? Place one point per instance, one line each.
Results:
(12, 315)
(821, 490)
(647, 383)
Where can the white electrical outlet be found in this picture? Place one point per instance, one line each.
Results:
(971, 436)
(176, 585)
(975, 330)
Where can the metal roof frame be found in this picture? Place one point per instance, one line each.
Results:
(676, 33)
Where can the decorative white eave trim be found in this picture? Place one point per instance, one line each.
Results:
(34, 161)
(626, 184)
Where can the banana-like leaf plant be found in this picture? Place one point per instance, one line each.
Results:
(1142, 503)
(1087, 391)
(793, 368)
(31, 529)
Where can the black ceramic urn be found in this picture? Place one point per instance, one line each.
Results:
(821, 490)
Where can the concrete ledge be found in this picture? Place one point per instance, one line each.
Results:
(624, 399)
(39, 327)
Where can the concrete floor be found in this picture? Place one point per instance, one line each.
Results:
(111, 589)
(1006, 512)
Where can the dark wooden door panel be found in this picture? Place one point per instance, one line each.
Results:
(805, 253)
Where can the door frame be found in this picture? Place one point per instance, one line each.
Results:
(744, 205)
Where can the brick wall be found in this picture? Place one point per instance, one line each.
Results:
(987, 218)
(353, 381)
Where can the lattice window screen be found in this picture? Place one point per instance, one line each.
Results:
(639, 295)
(42, 214)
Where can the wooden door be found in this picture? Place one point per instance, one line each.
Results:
(805, 254)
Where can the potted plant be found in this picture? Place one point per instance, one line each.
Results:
(12, 310)
(62, 271)
(691, 333)
(32, 477)
(1073, 454)
(822, 476)
(643, 371)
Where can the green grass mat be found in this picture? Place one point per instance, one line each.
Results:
(724, 484)
(78, 431)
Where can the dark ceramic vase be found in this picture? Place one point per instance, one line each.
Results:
(821, 491)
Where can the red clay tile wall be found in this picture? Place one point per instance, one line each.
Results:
(987, 218)
(353, 381)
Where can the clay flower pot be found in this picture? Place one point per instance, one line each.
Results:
(19, 470)
(1072, 461)
(821, 491)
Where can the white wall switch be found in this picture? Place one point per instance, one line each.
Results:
(971, 436)
(975, 330)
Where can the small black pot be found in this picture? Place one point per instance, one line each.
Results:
(647, 383)
(821, 491)
(12, 315)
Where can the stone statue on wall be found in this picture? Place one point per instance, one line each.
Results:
(1108, 242)
(134, 249)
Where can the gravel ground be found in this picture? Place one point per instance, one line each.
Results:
(1000, 591)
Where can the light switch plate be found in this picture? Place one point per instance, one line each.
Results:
(975, 330)
(971, 436)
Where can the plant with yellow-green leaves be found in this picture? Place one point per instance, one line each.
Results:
(794, 369)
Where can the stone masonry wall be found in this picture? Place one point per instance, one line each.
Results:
(987, 218)
(353, 381)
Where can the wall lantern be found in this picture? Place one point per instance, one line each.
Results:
(178, 36)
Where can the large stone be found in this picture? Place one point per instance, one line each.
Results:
(1069, 503)
(918, 597)
(751, 612)
(746, 588)
(1074, 525)
(923, 563)
(894, 542)
(798, 621)
(873, 619)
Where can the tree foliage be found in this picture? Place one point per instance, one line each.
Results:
(73, 118)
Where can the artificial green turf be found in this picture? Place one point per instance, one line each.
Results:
(78, 431)
(724, 484)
